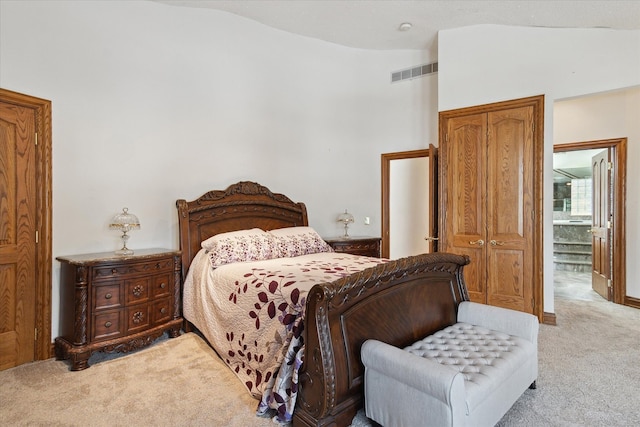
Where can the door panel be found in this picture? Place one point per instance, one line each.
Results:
(505, 286)
(510, 207)
(473, 271)
(601, 267)
(468, 176)
(505, 162)
(17, 235)
(465, 222)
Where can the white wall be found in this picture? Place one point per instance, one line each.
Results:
(152, 103)
(489, 63)
(603, 116)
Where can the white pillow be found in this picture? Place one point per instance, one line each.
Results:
(240, 246)
(296, 241)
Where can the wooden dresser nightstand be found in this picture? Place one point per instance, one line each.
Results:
(117, 303)
(357, 245)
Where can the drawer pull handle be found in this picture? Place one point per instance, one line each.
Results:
(107, 324)
(163, 310)
(137, 290)
(108, 296)
(163, 285)
(114, 271)
(158, 265)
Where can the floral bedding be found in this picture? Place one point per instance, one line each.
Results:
(252, 314)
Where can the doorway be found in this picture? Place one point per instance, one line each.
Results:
(578, 233)
(409, 208)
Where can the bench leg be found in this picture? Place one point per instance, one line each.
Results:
(533, 385)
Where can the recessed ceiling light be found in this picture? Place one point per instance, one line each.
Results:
(405, 26)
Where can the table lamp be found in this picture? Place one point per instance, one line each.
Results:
(124, 222)
(346, 218)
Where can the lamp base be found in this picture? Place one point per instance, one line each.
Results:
(346, 231)
(125, 250)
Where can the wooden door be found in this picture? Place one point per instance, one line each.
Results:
(463, 162)
(509, 209)
(25, 230)
(17, 234)
(491, 200)
(601, 248)
(432, 237)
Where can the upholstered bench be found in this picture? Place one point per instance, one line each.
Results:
(467, 374)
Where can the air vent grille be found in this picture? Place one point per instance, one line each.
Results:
(414, 72)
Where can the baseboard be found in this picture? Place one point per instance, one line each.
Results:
(549, 318)
(632, 302)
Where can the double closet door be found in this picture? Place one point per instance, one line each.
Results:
(490, 200)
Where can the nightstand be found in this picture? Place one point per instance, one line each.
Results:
(357, 245)
(117, 303)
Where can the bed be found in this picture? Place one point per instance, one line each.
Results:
(326, 319)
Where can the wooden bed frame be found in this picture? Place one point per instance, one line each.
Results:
(397, 302)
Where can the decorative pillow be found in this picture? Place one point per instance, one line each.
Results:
(240, 246)
(296, 241)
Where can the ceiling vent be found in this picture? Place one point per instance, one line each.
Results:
(414, 72)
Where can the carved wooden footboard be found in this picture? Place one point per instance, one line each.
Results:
(397, 303)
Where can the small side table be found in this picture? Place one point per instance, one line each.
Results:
(356, 245)
(117, 303)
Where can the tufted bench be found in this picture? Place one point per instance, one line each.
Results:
(469, 373)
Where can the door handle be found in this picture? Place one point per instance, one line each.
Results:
(495, 243)
(430, 239)
(478, 242)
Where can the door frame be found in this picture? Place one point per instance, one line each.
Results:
(42, 108)
(618, 148)
(386, 159)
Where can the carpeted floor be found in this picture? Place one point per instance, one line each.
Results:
(589, 376)
(589, 369)
(176, 382)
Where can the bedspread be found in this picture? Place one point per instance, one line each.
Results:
(252, 315)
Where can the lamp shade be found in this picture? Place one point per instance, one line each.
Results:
(125, 221)
(345, 217)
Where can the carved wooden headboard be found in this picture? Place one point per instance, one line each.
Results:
(241, 206)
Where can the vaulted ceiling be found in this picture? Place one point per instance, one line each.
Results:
(376, 24)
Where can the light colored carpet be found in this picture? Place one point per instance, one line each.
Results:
(589, 376)
(589, 369)
(176, 382)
